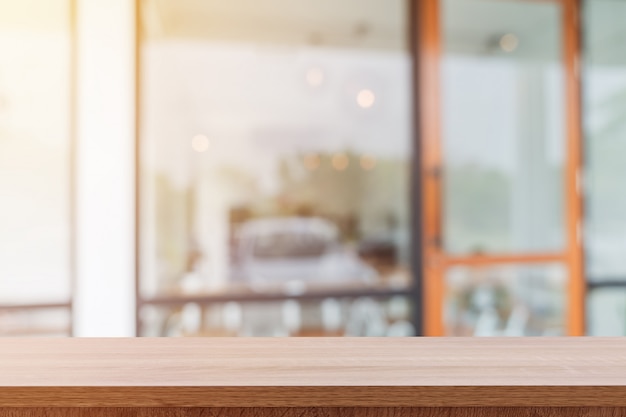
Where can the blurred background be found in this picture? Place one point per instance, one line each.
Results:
(312, 167)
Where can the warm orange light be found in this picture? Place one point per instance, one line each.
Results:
(368, 162)
(340, 162)
(365, 98)
(312, 162)
(200, 143)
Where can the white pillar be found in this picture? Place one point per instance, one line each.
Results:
(104, 292)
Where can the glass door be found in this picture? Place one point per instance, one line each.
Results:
(500, 158)
(274, 177)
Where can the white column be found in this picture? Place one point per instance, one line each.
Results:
(104, 292)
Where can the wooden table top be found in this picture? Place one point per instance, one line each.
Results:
(234, 372)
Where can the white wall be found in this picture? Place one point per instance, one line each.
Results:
(104, 293)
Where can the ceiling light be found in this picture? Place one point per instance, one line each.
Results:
(509, 42)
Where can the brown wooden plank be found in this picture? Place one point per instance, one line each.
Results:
(314, 412)
(431, 158)
(293, 396)
(313, 372)
(574, 150)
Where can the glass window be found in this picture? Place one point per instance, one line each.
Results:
(34, 155)
(332, 316)
(275, 146)
(38, 322)
(503, 125)
(604, 94)
(606, 312)
(604, 91)
(511, 300)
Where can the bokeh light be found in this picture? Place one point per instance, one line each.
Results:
(312, 162)
(315, 77)
(368, 162)
(365, 98)
(340, 161)
(200, 143)
(509, 42)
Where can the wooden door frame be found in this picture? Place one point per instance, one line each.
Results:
(435, 260)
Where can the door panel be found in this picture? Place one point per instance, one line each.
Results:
(503, 120)
(500, 165)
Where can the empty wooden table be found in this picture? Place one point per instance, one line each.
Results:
(317, 377)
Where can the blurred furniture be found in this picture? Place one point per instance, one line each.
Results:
(313, 377)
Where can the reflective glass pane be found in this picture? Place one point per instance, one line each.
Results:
(363, 316)
(606, 312)
(604, 91)
(502, 126)
(34, 151)
(35, 322)
(510, 300)
(275, 146)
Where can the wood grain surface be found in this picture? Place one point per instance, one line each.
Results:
(336, 372)
(315, 412)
